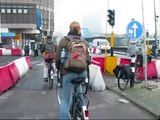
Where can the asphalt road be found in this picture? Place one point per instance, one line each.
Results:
(30, 98)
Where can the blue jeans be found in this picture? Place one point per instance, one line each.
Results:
(67, 93)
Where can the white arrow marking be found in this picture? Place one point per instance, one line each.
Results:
(134, 28)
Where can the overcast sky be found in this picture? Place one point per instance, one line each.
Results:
(93, 14)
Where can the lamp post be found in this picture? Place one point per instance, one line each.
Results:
(155, 35)
(0, 33)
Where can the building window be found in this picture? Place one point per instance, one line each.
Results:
(19, 10)
(3, 10)
(25, 11)
(41, 7)
(37, 6)
(8, 10)
(14, 10)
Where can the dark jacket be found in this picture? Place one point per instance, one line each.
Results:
(26, 48)
(48, 46)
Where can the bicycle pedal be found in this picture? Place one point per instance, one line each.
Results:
(45, 79)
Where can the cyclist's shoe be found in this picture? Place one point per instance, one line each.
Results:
(45, 79)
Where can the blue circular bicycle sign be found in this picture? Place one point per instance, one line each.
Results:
(134, 30)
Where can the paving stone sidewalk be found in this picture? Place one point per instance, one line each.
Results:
(147, 98)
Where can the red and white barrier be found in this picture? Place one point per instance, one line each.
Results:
(99, 61)
(11, 51)
(5, 79)
(11, 73)
(1, 52)
(96, 78)
(16, 52)
(95, 50)
(153, 68)
(29, 62)
(157, 62)
(6, 51)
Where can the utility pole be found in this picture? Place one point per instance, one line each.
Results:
(155, 35)
(0, 32)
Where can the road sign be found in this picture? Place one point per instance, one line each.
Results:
(134, 30)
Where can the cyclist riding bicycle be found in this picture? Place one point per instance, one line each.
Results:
(133, 49)
(68, 76)
(48, 48)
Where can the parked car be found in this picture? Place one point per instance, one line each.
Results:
(102, 44)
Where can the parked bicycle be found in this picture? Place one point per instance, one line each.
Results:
(125, 75)
(80, 102)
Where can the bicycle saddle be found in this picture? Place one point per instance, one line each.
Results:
(77, 80)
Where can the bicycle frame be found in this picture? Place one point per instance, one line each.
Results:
(79, 109)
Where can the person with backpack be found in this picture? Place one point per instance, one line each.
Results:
(74, 65)
(48, 48)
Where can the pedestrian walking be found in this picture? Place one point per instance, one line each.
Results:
(26, 49)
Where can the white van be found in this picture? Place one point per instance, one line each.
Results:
(102, 44)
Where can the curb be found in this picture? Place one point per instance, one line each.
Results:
(134, 102)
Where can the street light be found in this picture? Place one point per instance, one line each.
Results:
(155, 35)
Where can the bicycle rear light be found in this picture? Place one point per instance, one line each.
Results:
(85, 112)
(86, 80)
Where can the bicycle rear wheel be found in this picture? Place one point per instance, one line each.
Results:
(50, 77)
(80, 109)
(58, 93)
(122, 81)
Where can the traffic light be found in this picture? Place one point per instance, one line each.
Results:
(111, 16)
(147, 34)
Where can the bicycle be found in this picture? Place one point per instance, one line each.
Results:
(79, 107)
(125, 76)
(50, 74)
(80, 102)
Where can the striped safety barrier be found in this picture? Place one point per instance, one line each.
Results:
(13, 71)
(11, 51)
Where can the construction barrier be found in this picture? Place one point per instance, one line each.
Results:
(153, 68)
(157, 62)
(5, 79)
(96, 78)
(25, 64)
(11, 51)
(99, 61)
(0, 52)
(16, 52)
(29, 62)
(95, 50)
(12, 72)
(6, 51)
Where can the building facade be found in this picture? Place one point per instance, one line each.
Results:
(22, 20)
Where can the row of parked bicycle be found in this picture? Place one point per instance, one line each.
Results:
(124, 74)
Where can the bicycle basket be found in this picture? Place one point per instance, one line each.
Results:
(127, 70)
(116, 70)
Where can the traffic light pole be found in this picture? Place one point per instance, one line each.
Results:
(112, 42)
